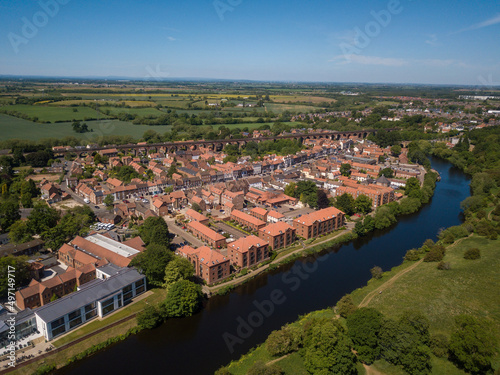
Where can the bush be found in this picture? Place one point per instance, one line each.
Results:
(412, 255)
(376, 272)
(443, 266)
(439, 345)
(436, 254)
(44, 369)
(472, 254)
(149, 318)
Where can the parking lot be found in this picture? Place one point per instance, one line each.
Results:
(229, 229)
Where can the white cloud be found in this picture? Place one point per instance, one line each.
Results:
(489, 22)
(171, 38)
(433, 40)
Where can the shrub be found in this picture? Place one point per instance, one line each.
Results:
(472, 254)
(376, 272)
(439, 345)
(149, 318)
(412, 255)
(44, 369)
(260, 368)
(443, 266)
(435, 255)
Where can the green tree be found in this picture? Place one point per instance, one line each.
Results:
(196, 207)
(327, 349)
(363, 204)
(176, 270)
(9, 214)
(290, 189)
(363, 327)
(387, 172)
(405, 343)
(149, 318)
(345, 306)
(260, 368)
(286, 340)
(183, 299)
(412, 184)
(345, 203)
(152, 263)
(19, 232)
(172, 170)
(396, 150)
(155, 230)
(21, 272)
(108, 200)
(345, 169)
(472, 345)
(376, 272)
(384, 217)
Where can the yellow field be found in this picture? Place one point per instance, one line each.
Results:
(300, 98)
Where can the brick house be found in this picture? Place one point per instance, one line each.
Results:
(259, 213)
(278, 235)
(248, 251)
(193, 215)
(247, 221)
(319, 222)
(210, 265)
(207, 235)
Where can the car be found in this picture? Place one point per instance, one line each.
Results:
(183, 227)
(145, 201)
(125, 201)
(96, 207)
(292, 209)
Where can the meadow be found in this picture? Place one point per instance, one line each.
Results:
(51, 113)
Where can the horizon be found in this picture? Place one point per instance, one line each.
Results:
(377, 42)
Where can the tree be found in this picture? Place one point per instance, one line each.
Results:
(9, 214)
(386, 172)
(149, 318)
(172, 170)
(363, 204)
(176, 270)
(286, 340)
(108, 201)
(396, 150)
(152, 263)
(290, 189)
(384, 217)
(21, 272)
(412, 184)
(472, 345)
(19, 232)
(196, 207)
(345, 169)
(345, 203)
(363, 327)
(405, 342)
(345, 306)
(376, 272)
(183, 299)
(155, 230)
(327, 349)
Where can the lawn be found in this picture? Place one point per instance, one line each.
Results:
(15, 128)
(53, 113)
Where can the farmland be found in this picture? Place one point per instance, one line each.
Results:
(46, 113)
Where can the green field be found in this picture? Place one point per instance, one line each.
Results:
(136, 111)
(52, 113)
(469, 287)
(13, 127)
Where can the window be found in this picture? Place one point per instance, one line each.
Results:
(108, 306)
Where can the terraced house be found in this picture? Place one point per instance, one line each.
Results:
(248, 251)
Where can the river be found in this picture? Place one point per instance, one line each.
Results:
(202, 343)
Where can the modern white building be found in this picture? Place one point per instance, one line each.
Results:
(96, 298)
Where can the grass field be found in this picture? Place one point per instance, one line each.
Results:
(13, 127)
(300, 98)
(132, 103)
(136, 111)
(470, 287)
(279, 108)
(53, 113)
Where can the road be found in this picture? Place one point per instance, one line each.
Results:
(182, 233)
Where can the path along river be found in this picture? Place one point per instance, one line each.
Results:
(230, 325)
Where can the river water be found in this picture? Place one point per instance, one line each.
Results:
(230, 325)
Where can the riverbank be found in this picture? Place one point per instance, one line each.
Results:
(468, 287)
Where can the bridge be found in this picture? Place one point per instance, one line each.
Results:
(219, 144)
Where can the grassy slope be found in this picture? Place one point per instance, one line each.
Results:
(469, 287)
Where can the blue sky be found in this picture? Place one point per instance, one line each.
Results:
(437, 42)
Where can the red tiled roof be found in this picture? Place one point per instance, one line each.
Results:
(244, 244)
(321, 215)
